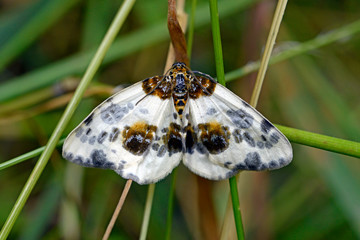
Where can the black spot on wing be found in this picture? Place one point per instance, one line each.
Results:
(237, 135)
(247, 137)
(68, 156)
(83, 138)
(130, 106)
(227, 164)
(260, 145)
(102, 136)
(273, 164)
(114, 113)
(88, 131)
(240, 118)
(78, 160)
(190, 139)
(201, 148)
(189, 142)
(99, 159)
(92, 140)
(211, 111)
(161, 151)
(266, 126)
(79, 132)
(274, 138)
(155, 147)
(253, 161)
(268, 145)
(114, 134)
(174, 144)
(89, 119)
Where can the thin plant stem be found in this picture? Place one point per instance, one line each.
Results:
(54, 138)
(170, 205)
(275, 25)
(148, 205)
(236, 207)
(215, 26)
(117, 209)
(316, 140)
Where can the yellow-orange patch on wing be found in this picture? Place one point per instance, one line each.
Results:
(138, 137)
(214, 136)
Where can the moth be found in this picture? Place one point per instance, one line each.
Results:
(145, 130)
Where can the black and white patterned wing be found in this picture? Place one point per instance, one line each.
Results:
(226, 135)
(129, 133)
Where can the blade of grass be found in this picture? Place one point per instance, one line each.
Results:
(170, 205)
(40, 165)
(117, 210)
(215, 27)
(315, 140)
(236, 208)
(146, 219)
(275, 25)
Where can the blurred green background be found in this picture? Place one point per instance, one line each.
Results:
(45, 46)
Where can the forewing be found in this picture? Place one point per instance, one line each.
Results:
(127, 133)
(228, 135)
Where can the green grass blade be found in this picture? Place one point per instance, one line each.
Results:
(270, 42)
(170, 205)
(146, 218)
(215, 26)
(40, 165)
(236, 208)
(328, 143)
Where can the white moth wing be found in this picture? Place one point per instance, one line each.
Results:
(124, 134)
(232, 136)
